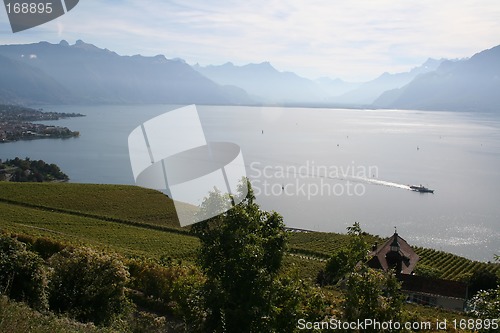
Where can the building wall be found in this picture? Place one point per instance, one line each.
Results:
(449, 303)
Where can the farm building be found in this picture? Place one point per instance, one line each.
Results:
(396, 254)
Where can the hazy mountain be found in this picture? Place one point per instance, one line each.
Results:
(472, 84)
(83, 73)
(265, 82)
(369, 91)
(94, 75)
(335, 87)
(20, 83)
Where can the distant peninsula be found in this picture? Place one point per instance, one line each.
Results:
(16, 123)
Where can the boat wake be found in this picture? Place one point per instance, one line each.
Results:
(342, 174)
(380, 182)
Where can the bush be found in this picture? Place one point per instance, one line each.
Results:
(178, 287)
(483, 279)
(428, 271)
(23, 276)
(486, 306)
(19, 318)
(47, 247)
(88, 285)
(372, 294)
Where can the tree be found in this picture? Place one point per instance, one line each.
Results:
(372, 294)
(23, 275)
(486, 306)
(241, 254)
(88, 285)
(483, 279)
(345, 259)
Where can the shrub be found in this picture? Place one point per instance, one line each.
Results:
(88, 285)
(372, 294)
(486, 306)
(428, 271)
(483, 279)
(178, 287)
(19, 318)
(47, 247)
(23, 276)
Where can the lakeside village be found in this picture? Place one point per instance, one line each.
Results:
(16, 123)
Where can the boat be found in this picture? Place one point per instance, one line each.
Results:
(421, 189)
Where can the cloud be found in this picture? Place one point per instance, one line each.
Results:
(356, 39)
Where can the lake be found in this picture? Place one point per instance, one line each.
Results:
(324, 169)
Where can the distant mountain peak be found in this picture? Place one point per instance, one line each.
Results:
(63, 43)
(174, 59)
(82, 45)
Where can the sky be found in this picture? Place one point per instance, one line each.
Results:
(355, 40)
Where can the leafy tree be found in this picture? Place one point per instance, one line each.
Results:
(372, 294)
(37, 170)
(241, 254)
(486, 305)
(88, 285)
(483, 279)
(22, 273)
(295, 299)
(345, 259)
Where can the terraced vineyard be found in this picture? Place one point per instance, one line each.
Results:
(126, 239)
(108, 217)
(129, 203)
(136, 221)
(321, 244)
(452, 267)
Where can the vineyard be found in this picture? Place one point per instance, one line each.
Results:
(450, 266)
(140, 222)
(121, 238)
(129, 203)
(321, 244)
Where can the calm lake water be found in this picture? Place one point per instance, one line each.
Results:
(324, 169)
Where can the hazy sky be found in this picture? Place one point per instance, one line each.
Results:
(350, 39)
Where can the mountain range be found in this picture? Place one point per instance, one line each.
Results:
(45, 73)
(83, 73)
(467, 85)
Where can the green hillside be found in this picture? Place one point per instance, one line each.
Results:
(129, 203)
(141, 222)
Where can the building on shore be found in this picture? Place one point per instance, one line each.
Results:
(397, 255)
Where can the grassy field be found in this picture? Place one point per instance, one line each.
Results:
(141, 222)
